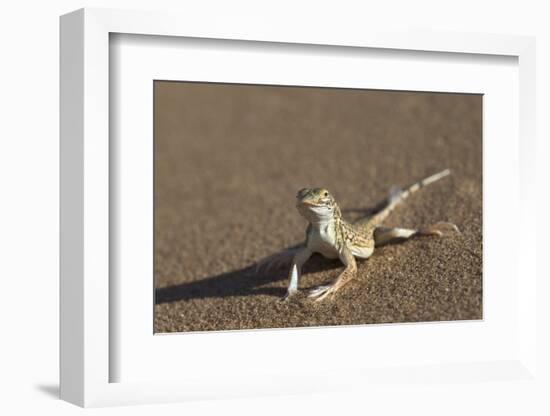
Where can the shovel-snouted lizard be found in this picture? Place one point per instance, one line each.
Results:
(333, 237)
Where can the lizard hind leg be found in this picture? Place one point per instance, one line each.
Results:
(385, 235)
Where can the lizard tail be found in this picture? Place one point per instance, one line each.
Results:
(399, 195)
(404, 194)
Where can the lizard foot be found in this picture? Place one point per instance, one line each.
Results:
(274, 261)
(321, 292)
(269, 263)
(439, 229)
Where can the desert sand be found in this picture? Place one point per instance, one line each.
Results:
(228, 162)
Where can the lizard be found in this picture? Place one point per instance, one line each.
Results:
(329, 234)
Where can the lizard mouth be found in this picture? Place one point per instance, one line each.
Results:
(309, 204)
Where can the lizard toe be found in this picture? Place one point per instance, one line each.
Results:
(440, 229)
(329, 292)
(319, 291)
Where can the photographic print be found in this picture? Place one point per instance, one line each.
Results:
(288, 206)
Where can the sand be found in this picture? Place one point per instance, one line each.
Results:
(228, 162)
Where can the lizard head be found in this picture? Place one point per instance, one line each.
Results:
(316, 204)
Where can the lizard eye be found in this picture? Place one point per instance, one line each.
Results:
(325, 194)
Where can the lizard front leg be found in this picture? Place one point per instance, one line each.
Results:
(296, 270)
(276, 260)
(348, 274)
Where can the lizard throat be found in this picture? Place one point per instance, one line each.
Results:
(319, 215)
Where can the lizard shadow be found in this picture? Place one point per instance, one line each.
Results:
(241, 282)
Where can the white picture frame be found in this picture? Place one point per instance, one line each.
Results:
(87, 356)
